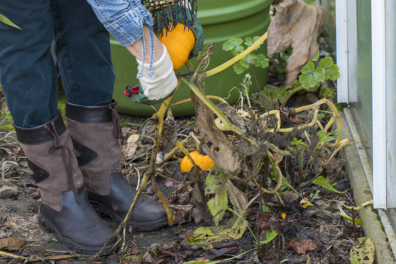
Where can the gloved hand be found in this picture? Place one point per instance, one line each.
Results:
(153, 91)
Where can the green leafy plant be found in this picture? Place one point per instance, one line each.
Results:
(215, 185)
(269, 237)
(327, 137)
(326, 70)
(363, 252)
(315, 195)
(325, 183)
(235, 46)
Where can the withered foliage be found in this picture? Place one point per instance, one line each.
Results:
(298, 24)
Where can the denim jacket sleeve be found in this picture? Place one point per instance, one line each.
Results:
(124, 19)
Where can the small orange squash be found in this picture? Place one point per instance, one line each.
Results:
(179, 42)
(204, 162)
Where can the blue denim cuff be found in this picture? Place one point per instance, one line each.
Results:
(129, 28)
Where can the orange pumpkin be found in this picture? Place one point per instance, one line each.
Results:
(179, 42)
(204, 162)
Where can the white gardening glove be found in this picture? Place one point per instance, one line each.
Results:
(158, 89)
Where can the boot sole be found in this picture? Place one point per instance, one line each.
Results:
(47, 226)
(137, 226)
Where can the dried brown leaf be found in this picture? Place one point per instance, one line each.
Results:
(290, 196)
(8, 191)
(266, 221)
(297, 24)
(172, 184)
(12, 243)
(334, 166)
(169, 133)
(297, 120)
(302, 246)
(223, 154)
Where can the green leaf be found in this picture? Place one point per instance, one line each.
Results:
(316, 58)
(249, 41)
(319, 74)
(285, 182)
(251, 59)
(326, 62)
(215, 181)
(266, 208)
(309, 1)
(215, 184)
(236, 50)
(363, 251)
(327, 137)
(232, 43)
(6, 21)
(333, 72)
(308, 68)
(313, 196)
(217, 205)
(343, 214)
(298, 142)
(283, 261)
(241, 66)
(262, 61)
(325, 183)
(307, 80)
(270, 236)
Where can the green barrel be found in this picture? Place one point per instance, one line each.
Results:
(221, 20)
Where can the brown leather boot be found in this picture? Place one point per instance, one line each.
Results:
(95, 132)
(65, 209)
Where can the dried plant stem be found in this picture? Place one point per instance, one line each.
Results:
(353, 223)
(254, 74)
(168, 156)
(26, 259)
(279, 240)
(159, 117)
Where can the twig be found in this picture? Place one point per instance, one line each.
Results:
(195, 138)
(353, 223)
(279, 240)
(137, 187)
(168, 156)
(167, 177)
(158, 133)
(258, 86)
(58, 257)
(251, 201)
(258, 240)
(317, 175)
(324, 253)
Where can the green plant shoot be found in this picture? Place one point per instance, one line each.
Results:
(6, 21)
(311, 76)
(235, 46)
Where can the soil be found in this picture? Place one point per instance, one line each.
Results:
(332, 234)
(309, 229)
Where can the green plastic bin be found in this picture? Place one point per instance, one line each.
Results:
(221, 20)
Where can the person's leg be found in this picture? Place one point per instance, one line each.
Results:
(29, 83)
(83, 51)
(82, 47)
(27, 72)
